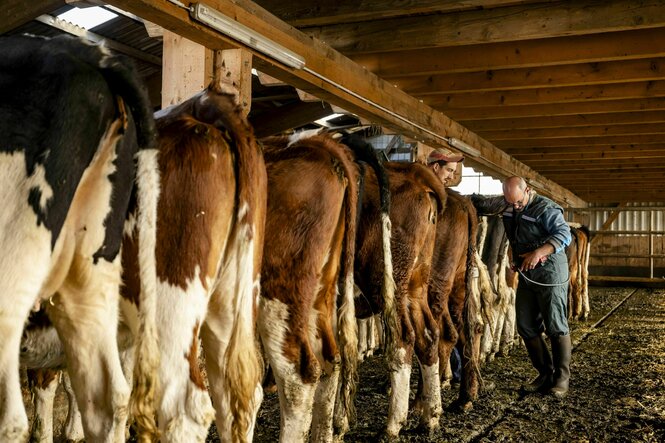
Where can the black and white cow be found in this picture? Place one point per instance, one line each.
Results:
(76, 133)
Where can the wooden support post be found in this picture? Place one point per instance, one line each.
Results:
(183, 69)
(613, 216)
(236, 70)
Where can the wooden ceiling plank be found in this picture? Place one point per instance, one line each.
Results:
(522, 22)
(572, 132)
(567, 121)
(301, 13)
(554, 109)
(559, 156)
(585, 150)
(616, 91)
(625, 45)
(348, 85)
(18, 12)
(584, 141)
(535, 77)
(599, 166)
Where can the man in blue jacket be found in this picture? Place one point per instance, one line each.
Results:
(538, 234)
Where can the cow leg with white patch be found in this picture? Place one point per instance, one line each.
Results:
(44, 383)
(185, 409)
(296, 395)
(24, 266)
(73, 425)
(81, 312)
(400, 376)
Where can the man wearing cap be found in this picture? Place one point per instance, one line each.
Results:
(538, 234)
(444, 164)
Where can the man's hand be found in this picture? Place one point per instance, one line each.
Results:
(535, 257)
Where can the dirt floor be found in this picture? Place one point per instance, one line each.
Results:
(617, 389)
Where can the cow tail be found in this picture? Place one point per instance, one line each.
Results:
(347, 328)
(147, 350)
(365, 152)
(243, 365)
(473, 322)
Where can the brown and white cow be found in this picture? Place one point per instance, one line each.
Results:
(453, 293)
(307, 327)
(417, 198)
(210, 221)
(73, 122)
(578, 269)
(210, 225)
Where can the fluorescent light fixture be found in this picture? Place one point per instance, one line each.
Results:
(462, 146)
(87, 18)
(245, 35)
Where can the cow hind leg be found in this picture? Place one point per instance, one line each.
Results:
(21, 278)
(85, 313)
(296, 382)
(185, 410)
(400, 376)
(44, 383)
(73, 425)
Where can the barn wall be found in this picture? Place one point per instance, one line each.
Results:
(632, 246)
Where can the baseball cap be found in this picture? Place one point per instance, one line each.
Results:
(443, 154)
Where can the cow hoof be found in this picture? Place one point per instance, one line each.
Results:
(385, 437)
(462, 406)
(445, 384)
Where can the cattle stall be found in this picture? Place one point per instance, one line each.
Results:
(631, 246)
(569, 94)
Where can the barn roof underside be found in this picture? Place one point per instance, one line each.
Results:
(570, 94)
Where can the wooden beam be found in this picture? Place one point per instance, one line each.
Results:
(336, 79)
(635, 44)
(567, 121)
(523, 22)
(610, 167)
(185, 72)
(17, 12)
(589, 131)
(301, 13)
(606, 150)
(608, 222)
(644, 172)
(535, 77)
(547, 95)
(584, 141)
(561, 156)
(590, 107)
(289, 116)
(235, 67)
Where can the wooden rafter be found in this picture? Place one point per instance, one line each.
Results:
(625, 45)
(523, 22)
(567, 121)
(587, 131)
(535, 77)
(324, 12)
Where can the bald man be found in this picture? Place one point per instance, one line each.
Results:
(538, 234)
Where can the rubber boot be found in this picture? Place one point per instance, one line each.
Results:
(561, 350)
(542, 361)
